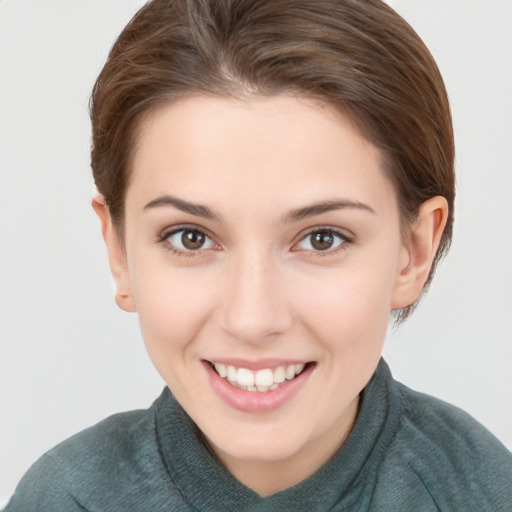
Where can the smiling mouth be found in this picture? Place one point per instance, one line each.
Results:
(264, 380)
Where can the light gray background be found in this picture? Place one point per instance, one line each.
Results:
(69, 357)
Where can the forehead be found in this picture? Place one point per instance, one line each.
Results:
(282, 148)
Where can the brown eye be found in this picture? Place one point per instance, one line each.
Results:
(323, 240)
(192, 240)
(189, 240)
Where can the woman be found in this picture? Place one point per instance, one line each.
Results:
(274, 179)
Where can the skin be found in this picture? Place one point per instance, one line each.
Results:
(258, 289)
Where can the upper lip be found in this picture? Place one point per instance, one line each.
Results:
(259, 364)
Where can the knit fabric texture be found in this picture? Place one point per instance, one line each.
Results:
(407, 452)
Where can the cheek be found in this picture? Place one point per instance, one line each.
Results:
(172, 306)
(350, 307)
(172, 310)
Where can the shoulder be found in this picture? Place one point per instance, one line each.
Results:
(450, 455)
(123, 437)
(116, 462)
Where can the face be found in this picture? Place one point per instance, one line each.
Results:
(263, 255)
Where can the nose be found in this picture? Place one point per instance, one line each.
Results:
(255, 308)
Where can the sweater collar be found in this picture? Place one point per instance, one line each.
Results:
(207, 485)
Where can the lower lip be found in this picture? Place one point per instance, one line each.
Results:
(256, 401)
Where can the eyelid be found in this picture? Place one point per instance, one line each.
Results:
(165, 234)
(342, 232)
(346, 237)
(169, 230)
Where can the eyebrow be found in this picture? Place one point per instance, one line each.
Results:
(295, 215)
(198, 210)
(325, 207)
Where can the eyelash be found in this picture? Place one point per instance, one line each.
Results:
(163, 239)
(345, 240)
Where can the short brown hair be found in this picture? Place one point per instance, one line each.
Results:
(359, 56)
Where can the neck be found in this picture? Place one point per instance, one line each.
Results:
(270, 476)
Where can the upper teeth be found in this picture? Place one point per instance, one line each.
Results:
(265, 379)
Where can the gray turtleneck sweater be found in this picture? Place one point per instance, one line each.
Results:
(408, 452)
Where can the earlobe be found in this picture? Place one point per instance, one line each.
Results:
(116, 256)
(419, 251)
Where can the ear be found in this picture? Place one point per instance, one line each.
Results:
(116, 256)
(419, 251)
